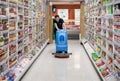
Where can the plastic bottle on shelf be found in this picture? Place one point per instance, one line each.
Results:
(4, 78)
(11, 78)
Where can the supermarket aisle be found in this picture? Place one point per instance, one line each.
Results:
(76, 68)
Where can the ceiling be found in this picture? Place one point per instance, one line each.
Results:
(65, 1)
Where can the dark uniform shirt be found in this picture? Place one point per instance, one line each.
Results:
(59, 24)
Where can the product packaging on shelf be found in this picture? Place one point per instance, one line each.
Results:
(3, 24)
(117, 69)
(117, 58)
(1, 41)
(12, 25)
(95, 56)
(102, 24)
(22, 28)
(3, 54)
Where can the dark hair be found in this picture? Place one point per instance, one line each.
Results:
(56, 16)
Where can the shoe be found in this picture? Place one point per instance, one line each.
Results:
(66, 52)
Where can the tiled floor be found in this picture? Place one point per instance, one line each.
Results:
(76, 68)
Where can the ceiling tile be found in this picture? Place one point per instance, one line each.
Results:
(64, 0)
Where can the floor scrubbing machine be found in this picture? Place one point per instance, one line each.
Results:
(61, 44)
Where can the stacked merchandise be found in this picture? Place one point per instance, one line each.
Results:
(102, 23)
(41, 20)
(22, 36)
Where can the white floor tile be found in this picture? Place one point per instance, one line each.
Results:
(76, 68)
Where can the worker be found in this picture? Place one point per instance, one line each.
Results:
(58, 24)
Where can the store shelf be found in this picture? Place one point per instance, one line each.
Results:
(2, 62)
(108, 4)
(14, 42)
(116, 1)
(13, 20)
(3, 17)
(116, 14)
(3, 73)
(116, 33)
(12, 32)
(110, 30)
(12, 4)
(26, 7)
(20, 38)
(16, 34)
(30, 63)
(109, 41)
(109, 54)
(5, 46)
(89, 51)
(117, 64)
(20, 48)
(3, 2)
(2, 32)
(104, 49)
(106, 27)
(107, 16)
(21, 6)
(116, 43)
(116, 23)
(117, 53)
(13, 54)
(102, 27)
(20, 20)
(26, 26)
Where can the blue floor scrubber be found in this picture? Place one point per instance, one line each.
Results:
(62, 44)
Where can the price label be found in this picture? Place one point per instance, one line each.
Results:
(0, 33)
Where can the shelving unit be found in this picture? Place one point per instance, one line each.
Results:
(22, 36)
(102, 25)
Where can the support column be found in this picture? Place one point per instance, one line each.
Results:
(49, 22)
(82, 27)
